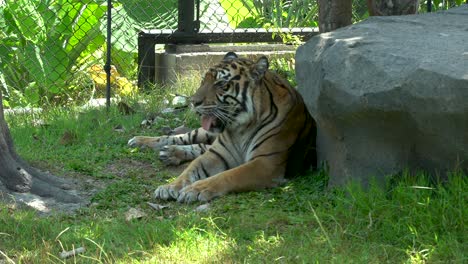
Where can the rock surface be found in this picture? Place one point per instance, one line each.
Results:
(389, 94)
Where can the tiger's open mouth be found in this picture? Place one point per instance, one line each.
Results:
(211, 123)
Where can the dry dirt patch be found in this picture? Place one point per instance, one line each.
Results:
(84, 186)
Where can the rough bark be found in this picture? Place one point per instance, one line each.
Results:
(17, 176)
(392, 7)
(334, 14)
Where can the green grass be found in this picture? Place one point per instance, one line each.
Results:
(413, 221)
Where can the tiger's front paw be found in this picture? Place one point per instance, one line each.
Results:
(167, 192)
(175, 155)
(142, 142)
(197, 191)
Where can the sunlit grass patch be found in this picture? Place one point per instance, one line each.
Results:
(191, 245)
(347, 225)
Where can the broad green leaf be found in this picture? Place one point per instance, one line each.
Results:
(32, 93)
(55, 62)
(124, 31)
(86, 34)
(46, 65)
(28, 21)
(3, 24)
(152, 14)
(237, 12)
(121, 60)
(5, 103)
(7, 50)
(32, 61)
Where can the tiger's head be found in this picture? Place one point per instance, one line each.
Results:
(224, 97)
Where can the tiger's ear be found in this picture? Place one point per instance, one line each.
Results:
(230, 56)
(260, 67)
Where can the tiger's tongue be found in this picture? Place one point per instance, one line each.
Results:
(207, 121)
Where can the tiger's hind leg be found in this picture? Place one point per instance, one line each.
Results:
(201, 168)
(177, 154)
(254, 175)
(212, 175)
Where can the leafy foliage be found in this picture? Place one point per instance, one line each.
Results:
(271, 13)
(43, 41)
(443, 4)
(49, 48)
(152, 14)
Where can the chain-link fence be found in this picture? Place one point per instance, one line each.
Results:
(55, 50)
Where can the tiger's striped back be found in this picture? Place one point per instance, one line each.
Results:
(264, 132)
(256, 108)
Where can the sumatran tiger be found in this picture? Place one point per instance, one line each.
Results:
(255, 132)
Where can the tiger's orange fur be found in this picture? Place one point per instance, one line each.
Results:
(259, 132)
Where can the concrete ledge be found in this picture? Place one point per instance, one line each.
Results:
(179, 60)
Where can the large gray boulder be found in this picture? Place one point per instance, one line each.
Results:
(389, 94)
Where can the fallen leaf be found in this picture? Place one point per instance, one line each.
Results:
(119, 128)
(203, 208)
(71, 253)
(145, 123)
(168, 110)
(180, 101)
(157, 207)
(134, 213)
(166, 130)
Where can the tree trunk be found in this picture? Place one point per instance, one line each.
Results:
(17, 176)
(334, 14)
(392, 7)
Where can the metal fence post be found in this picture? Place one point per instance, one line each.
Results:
(107, 66)
(429, 6)
(186, 20)
(146, 60)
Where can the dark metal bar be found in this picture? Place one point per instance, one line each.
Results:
(197, 18)
(186, 11)
(226, 36)
(107, 66)
(146, 59)
(429, 6)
